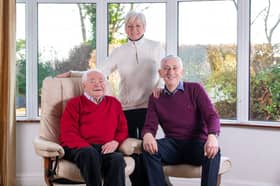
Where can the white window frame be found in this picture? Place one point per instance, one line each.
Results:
(243, 50)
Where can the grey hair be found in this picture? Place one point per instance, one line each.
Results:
(85, 74)
(132, 15)
(171, 56)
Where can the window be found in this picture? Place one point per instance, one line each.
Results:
(66, 39)
(265, 61)
(231, 48)
(207, 46)
(21, 61)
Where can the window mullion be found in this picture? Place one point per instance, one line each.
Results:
(243, 61)
(171, 27)
(31, 58)
(101, 32)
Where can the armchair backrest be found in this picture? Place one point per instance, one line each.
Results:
(55, 93)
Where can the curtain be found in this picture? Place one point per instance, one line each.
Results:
(7, 92)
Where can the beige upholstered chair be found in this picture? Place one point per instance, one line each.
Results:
(132, 145)
(55, 93)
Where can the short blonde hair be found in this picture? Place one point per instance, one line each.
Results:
(133, 15)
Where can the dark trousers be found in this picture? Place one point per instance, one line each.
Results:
(172, 152)
(135, 120)
(94, 165)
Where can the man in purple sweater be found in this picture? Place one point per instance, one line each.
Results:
(190, 123)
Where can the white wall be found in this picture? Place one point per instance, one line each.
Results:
(255, 154)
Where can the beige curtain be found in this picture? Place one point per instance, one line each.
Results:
(7, 92)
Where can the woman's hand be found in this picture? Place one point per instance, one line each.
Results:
(156, 92)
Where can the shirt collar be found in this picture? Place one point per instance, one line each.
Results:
(92, 99)
(180, 87)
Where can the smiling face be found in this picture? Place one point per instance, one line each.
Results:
(94, 85)
(171, 71)
(134, 28)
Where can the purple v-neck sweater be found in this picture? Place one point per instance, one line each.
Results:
(187, 114)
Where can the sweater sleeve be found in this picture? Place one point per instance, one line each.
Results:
(69, 126)
(207, 110)
(110, 64)
(122, 131)
(152, 121)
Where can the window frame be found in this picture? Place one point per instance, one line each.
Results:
(243, 51)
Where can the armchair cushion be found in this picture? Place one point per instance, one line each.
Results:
(132, 145)
(67, 169)
(45, 148)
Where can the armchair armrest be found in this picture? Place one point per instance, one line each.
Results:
(47, 149)
(130, 146)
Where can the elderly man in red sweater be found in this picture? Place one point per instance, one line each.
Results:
(190, 124)
(91, 128)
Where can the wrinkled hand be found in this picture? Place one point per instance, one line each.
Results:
(150, 143)
(109, 147)
(156, 92)
(64, 75)
(211, 146)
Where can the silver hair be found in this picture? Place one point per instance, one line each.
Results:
(85, 74)
(132, 15)
(171, 56)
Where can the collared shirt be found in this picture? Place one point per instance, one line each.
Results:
(179, 87)
(96, 101)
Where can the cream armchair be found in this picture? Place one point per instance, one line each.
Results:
(55, 93)
(132, 145)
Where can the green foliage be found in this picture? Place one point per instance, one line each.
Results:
(116, 21)
(222, 82)
(265, 95)
(77, 60)
(45, 69)
(21, 77)
(90, 12)
(20, 67)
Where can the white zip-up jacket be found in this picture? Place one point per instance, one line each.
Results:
(138, 63)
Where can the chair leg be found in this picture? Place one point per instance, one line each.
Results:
(47, 168)
(219, 180)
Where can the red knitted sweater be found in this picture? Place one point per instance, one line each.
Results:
(84, 122)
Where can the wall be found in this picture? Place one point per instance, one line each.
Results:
(255, 154)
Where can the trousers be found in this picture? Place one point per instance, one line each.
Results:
(94, 165)
(172, 152)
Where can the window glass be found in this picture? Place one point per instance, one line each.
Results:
(20, 61)
(66, 39)
(155, 21)
(155, 27)
(265, 60)
(207, 46)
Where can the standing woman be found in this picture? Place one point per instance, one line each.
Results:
(137, 62)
